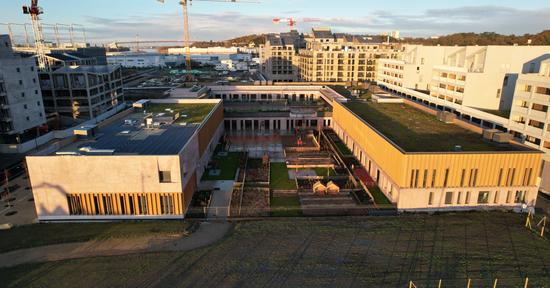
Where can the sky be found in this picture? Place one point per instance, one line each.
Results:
(109, 20)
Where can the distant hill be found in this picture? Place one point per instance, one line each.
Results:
(485, 38)
(239, 41)
(461, 39)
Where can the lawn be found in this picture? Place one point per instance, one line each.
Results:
(195, 112)
(417, 131)
(228, 165)
(323, 171)
(318, 252)
(278, 177)
(378, 195)
(285, 206)
(343, 148)
(54, 233)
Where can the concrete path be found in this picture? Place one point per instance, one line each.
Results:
(207, 234)
(222, 191)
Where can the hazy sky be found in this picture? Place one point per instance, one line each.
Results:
(107, 20)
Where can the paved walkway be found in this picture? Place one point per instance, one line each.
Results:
(222, 191)
(207, 234)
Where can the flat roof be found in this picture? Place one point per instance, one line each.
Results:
(416, 131)
(129, 136)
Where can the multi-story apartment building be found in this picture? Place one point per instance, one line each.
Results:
(529, 117)
(483, 76)
(278, 56)
(82, 92)
(332, 57)
(144, 163)
(21, 106)
(412, 69)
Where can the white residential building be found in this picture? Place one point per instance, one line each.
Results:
(529, 117)
(483, 76)
(141, 60)
(413, 68)
(21, 106)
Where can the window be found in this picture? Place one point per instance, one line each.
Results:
(75, 206)
(23, 94)
(142, 204)
(108, 205)
(520, 197)
(499, 177)
(431, 198)
(21, 82)
(509, 197)
(25, 106)
(446, 177)
(536, 124)
(459, 198)
(425, 179)
(467, 200)
(165, 177)
(495, 199)
(483, 197)
(18, 70)
(166, 204)
(448, 198)
(539, 107)
(462, 177)
(433, 178)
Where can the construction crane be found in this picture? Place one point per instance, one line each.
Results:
(186, 36)
(34, 10)
(291, 22)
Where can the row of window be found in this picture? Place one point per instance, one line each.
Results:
(483, 197)
(124, 204)
(468, 177)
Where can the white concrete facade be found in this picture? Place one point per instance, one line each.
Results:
(21, 106)
(412, 69)
(483, 76)
(142, 60)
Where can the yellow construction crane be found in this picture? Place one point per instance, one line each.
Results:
(186, 37)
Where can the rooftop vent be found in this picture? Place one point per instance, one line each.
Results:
(446, 116)
(457, 148)
(93, 151)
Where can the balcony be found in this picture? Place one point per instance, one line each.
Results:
(538, 115)
(521, 110)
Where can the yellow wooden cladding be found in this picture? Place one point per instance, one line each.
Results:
(520, 168)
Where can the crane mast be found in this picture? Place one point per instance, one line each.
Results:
(186, 36)
(34, 11)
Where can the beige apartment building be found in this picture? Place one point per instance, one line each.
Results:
(144, 163)
(278, 56)
(330, 57)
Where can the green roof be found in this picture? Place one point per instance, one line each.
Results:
(416, 131)
(195, 112)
